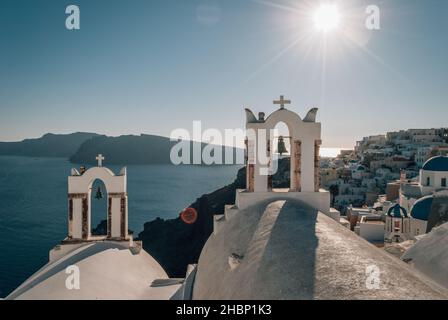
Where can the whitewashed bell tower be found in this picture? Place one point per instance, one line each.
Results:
(79, 203)
(304, 141)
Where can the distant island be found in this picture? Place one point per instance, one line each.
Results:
(49, 145)
(82, 148)
(129, 149)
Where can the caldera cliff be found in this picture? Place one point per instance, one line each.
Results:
(175, 244)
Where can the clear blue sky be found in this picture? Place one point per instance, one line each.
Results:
(150, 66)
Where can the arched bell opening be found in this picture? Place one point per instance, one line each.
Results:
(280, 154)
(99, 208)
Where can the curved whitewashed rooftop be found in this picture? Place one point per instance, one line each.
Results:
(108, 270)
(284, 250)
(430, 254)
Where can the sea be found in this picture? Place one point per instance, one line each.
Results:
(33, 205)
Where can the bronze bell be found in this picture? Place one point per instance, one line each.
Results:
(99, 194)
(281, 147)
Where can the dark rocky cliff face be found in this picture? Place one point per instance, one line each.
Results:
(175, 244)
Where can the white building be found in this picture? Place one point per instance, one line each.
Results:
(422, 155)
(360, 173)
(355, 215)
(347, 199)
(369, 183)
(433, 177)
(383, 173)
(425, 135)
(426, 199)
(398, 225)
(371, 228)
(398, 137)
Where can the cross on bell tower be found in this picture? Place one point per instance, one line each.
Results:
(282, 102)
(100, 159)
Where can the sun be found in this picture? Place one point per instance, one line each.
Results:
(327, 17)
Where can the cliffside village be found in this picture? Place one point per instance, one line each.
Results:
(391, 188)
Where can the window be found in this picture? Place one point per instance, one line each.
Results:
(444, 182)
(428, 181)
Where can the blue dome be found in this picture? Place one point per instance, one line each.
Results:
(361, 168)
(422, 208)
(439, 163)
(397, 212)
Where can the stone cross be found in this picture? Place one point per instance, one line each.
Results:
(100, 159)
(282, 102)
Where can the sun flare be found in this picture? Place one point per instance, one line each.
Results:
(327, 17)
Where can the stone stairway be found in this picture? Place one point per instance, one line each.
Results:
(229, 212)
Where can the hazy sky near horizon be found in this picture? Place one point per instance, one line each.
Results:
(151, 66)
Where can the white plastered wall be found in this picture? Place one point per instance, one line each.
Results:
(307, 132)
(82, 185)
(435, 180)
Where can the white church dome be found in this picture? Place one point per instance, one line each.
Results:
(107, 270)
(90, 267)
(284, 250)
(428, 256)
